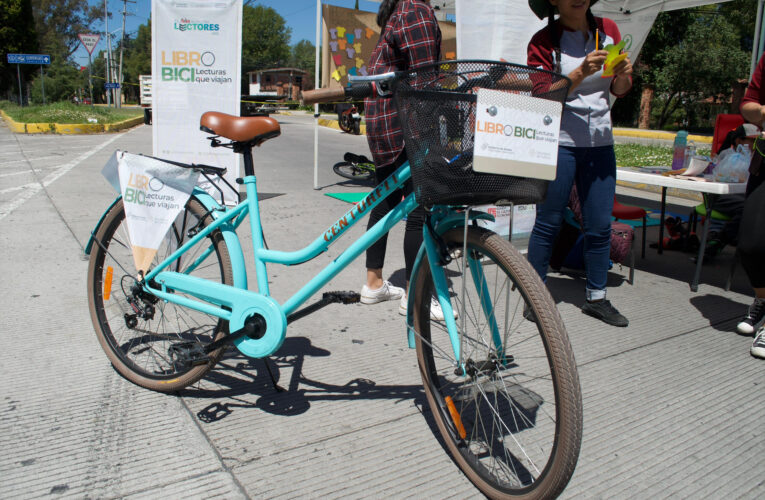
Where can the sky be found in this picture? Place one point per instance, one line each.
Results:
(300, 16)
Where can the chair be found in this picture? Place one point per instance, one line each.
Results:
(628, 212)
(724, 123)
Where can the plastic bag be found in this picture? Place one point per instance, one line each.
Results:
(733, 166)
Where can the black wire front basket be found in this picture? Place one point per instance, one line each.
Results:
(437, 109)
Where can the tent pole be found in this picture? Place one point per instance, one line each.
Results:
(316, 106)
(758, 41)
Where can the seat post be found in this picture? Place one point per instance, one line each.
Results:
(249, 167)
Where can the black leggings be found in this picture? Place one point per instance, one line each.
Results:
(751, 240)
(414, 222)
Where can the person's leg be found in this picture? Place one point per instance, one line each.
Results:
(752, 251)
(596, 185)
(376, 288)
(550, 213)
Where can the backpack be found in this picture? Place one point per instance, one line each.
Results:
(569, 251)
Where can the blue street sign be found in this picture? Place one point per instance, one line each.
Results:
(111, 85)
(28, 58)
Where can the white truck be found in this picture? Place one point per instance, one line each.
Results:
(144, 83)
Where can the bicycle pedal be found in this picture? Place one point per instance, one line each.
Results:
(343, 297)
(188, 354)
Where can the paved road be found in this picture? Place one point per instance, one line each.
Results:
(673, 405)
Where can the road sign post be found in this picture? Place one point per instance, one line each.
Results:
(18, 74)
(19, 59)
(89, 41)
(42, 75)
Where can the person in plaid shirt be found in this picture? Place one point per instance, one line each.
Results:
(410, 39)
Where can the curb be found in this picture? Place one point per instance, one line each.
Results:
(69, 128)
(656, 134)
(326, 122)
(645, 134)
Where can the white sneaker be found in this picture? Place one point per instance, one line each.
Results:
(385, 292)
(436, 313)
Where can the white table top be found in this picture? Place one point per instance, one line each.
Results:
(674, 181)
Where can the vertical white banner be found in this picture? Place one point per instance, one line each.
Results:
(494, 29)
(196, 67)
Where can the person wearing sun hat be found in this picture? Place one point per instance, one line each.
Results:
(572, 44)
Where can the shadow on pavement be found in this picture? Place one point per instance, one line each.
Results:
(237, 375)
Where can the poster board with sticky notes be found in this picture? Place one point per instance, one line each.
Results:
(350, 36)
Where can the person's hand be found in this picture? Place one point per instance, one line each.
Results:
(593, 62)
(624, 68)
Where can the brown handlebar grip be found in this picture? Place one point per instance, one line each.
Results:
(322, 95)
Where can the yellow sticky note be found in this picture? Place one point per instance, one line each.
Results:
(342, 70)
(359, 62)
(336, 75)
(357, 46)
(341, 32)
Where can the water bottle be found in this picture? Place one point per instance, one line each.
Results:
(690, 152)
(678, 156)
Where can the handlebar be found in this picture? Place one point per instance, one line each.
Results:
(358, 90)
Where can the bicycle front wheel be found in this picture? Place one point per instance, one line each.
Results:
(509, 407)
(154, 344)
(353, 171)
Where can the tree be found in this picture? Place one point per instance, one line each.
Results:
(17, 36)
(137, 60)
(265, 39)
(693, 54)
(304, 56)
(62, 80)
(58, 22)
(703, 65)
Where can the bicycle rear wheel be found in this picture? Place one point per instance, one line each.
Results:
(160, 346)
(353, 171)
(513, 419)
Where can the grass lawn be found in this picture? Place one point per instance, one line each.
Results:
(636, 155)
(66, 112)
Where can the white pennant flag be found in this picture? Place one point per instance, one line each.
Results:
(153, 194)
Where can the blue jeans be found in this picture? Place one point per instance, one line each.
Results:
(594, 171)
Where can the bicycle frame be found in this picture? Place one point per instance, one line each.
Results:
(236, 303)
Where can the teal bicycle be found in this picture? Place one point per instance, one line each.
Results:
(503, 389)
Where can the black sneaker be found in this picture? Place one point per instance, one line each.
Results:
(605, 312)
(753, 319)
(758, 345)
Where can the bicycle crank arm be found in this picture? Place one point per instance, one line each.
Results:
(326, 299)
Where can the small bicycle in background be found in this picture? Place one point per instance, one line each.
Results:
(503, 389)
(355, 167)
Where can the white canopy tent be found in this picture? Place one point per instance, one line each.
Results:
(491, 29)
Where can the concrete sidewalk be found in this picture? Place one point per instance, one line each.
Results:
(673, 404)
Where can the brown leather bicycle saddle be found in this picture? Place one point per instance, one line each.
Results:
(240, 129)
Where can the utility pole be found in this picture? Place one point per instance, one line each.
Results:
(108, 51)
(122, 48)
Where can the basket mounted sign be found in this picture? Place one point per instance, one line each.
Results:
(516, 134)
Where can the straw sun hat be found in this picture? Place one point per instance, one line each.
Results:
(542, 7)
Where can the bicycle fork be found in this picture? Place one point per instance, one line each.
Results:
(442, 220)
